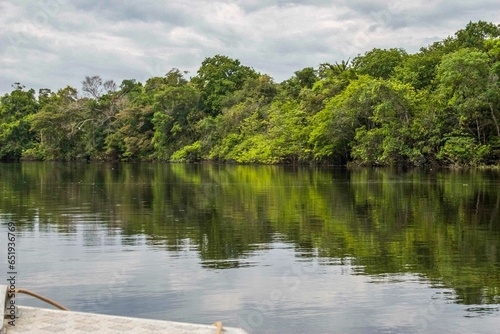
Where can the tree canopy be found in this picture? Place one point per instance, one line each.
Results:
(438, 106)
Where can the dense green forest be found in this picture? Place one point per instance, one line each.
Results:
(386, 107)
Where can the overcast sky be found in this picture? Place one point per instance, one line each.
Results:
(55, 43)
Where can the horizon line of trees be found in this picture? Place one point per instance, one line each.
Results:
(439, 106)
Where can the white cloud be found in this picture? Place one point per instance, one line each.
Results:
(57, 43)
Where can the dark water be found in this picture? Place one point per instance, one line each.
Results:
(266, 248)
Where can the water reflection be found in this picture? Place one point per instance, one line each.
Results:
(442, 226)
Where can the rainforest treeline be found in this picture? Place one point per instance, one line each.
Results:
(439, 106)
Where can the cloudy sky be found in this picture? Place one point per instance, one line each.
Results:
(55, 43)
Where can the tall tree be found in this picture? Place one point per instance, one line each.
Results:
(463, 78)
(174, 102)
(219, 76)
(132, 127)
(101, 110)
(464, 82)
(379, 63)
(476, 33)
(303, 79)
(15, 133)
(58, 126)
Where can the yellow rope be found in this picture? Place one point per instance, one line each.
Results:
(218, 324)
(45, 299)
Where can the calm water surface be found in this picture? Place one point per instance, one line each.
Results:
(270, 249)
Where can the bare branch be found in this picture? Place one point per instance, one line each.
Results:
(93, 86)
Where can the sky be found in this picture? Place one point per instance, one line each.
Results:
(56, 43)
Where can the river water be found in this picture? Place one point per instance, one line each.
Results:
(267, 248)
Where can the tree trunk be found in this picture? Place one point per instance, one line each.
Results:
(478, 131)
(495, 120)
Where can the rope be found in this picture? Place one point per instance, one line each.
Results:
(45, 299)
(218, 324)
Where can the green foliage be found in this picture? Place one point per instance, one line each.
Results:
(218, 77)
(33, 154)
(174, 103)
(463, 74)
(476, 33)
(462, 151)
(133, 137)
(130, 128)
(303, 79)
(333, 128)
(419, 70)
(469, 84)
(15, 111)
(386, 107)
(284, 140)
(379, 63)
(189, 153)
(59, 127)
(384, 137)
(306, 77)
